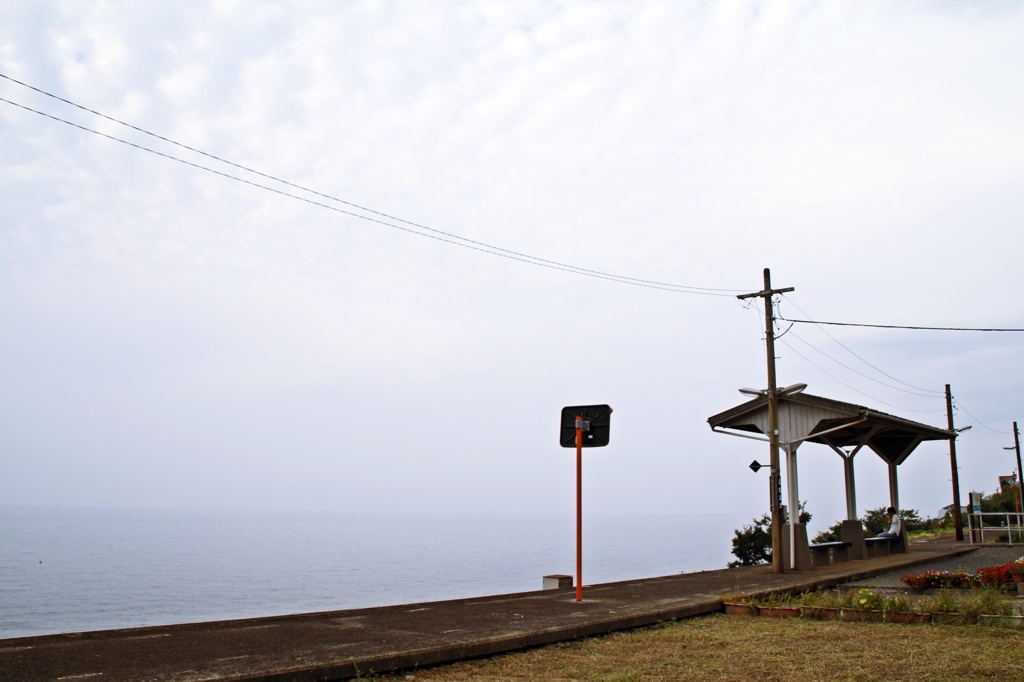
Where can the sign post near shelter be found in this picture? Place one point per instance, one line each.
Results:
(584, 426)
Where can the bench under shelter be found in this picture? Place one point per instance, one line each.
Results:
(847, 429)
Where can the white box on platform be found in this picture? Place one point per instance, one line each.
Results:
(557, 582)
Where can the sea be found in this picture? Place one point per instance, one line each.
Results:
(81, 569)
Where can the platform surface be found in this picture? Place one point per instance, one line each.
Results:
(344, 644)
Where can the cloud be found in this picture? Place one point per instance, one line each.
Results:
(869, 153)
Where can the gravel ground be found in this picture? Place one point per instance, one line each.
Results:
(970, 562)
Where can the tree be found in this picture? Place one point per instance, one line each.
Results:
(833, 534)
(1003, 502)
(752, 545)
(874, 523)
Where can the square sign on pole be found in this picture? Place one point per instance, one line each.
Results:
(584, 426)
(596, 426)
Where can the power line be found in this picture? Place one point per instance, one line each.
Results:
(959, 404)
(898, 326)
(851, 352)
(856, 371)
(826, 373)
(446, 237)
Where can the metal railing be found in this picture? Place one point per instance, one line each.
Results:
(996, 524)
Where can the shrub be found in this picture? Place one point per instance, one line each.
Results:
(753, 544)
(875, 524)
(833, 534)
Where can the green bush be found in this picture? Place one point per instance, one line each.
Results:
(874, 524)
(752, 545)
(833, 534)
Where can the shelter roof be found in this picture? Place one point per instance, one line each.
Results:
(810, 418)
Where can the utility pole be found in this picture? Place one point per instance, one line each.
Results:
(773, 417)
(1020, 479)
(957, 518)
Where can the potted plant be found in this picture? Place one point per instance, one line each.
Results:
(738, 606)
(900, 609)
(863, 605)
(819, 605)
(1015, 570)
(945, 608)
(779, 605)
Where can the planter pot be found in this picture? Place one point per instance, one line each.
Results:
(907, 618)
(1015, 622)
(739, 609)
(952, 619)
(819, 612)
(779, 611)
(1017, 578)
(861, 616)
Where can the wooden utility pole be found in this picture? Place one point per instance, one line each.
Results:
(958, 521)
(773, 417)
(1020, 474)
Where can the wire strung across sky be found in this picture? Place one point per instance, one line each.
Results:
(919, 389)
(412, 227)
(834, 378)
(900, 326)
(378, 217)
(932, 394)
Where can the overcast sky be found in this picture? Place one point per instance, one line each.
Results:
(173, 338)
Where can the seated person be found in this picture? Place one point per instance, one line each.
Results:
(895, 524)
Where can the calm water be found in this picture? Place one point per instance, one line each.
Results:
(72, 570)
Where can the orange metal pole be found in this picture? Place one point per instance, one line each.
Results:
(579, 510)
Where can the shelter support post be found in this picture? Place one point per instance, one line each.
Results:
(851, 488)
(848, 473)
(852, 529)
(894, 487)
(795, 545)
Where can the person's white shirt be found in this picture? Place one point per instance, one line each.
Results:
(895, 524)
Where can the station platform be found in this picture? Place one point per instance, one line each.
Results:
(340, 645)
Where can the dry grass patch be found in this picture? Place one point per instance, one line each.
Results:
(721, 647)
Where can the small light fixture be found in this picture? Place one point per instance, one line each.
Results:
(792, 389)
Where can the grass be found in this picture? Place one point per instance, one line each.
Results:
(720, 647)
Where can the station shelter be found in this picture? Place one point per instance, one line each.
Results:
(845, 428)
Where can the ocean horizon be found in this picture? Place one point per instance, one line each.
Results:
(83, 569)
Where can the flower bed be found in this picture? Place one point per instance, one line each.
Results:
(942, 579)
(984, 577)
(948, 606)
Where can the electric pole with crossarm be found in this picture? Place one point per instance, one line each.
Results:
(773, 415)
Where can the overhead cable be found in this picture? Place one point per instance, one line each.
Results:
(856, 371)
(389, 221)
(957, 403)
(851, 352)
(899, 326)
(826, 373)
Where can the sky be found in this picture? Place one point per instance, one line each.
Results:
(181, 332)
